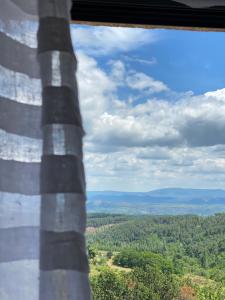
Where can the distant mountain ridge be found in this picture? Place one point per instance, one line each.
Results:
(170, 201)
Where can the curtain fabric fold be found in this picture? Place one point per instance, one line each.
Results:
(42, 182)
(202, 3)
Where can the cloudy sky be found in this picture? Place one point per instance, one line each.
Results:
(153, 104)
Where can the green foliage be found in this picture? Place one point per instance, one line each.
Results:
(91, 252)
(146, 283)
(161, 251)
(108, 285)
(109, 254)
(194, 244)
(154, 284)
(101, 219)
(135, 259)
(211, 292)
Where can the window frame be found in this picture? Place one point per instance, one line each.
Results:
(145, 13)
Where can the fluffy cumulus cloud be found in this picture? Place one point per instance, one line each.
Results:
(195, 122)
(203, 120)
(95, 87)
(150, 143)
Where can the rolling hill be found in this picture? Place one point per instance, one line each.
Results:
(170, 201)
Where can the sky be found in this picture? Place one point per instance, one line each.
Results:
(153, 106)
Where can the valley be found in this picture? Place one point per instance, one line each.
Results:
(157, 257)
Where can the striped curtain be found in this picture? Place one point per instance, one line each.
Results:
(42, 184)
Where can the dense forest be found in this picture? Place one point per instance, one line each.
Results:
(157, 257)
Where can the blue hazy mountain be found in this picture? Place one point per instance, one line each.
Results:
(170, 201)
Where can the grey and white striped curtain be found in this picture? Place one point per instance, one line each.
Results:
(42, 184)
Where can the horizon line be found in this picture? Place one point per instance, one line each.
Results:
(158, 189)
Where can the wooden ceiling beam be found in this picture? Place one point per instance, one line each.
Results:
(160, 13)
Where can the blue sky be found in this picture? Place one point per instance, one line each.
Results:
(153, 104)
(187, 60)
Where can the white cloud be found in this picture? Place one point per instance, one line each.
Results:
(123, 76)
(143, 82)
(118, 72)
(157, 143)
(95, 89)
(151, 61)
(106, 40)
(218, 95)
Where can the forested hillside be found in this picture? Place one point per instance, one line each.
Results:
(185, 253)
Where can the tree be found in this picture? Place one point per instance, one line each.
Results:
(155, 284)
(91, 252)
(108, 285)
(109, 254)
